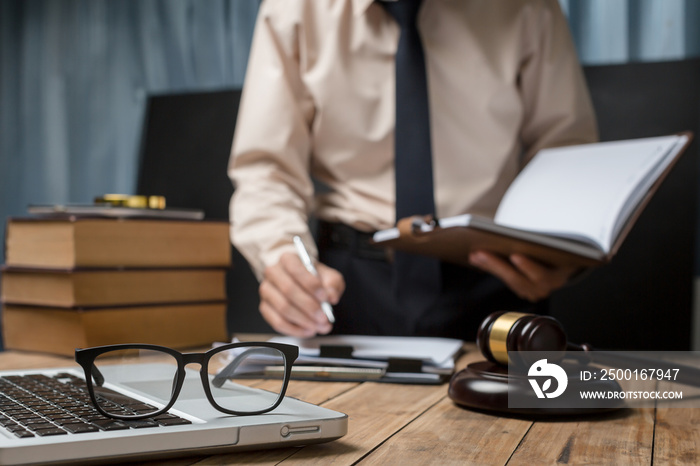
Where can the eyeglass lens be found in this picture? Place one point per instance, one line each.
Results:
(141, 374)
(154, 373)
(246, 366)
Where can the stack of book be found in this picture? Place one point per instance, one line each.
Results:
(79, 281)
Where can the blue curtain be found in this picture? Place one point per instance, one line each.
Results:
(619, 31)
(75, 74)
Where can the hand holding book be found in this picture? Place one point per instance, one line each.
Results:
(569, 206)
(526, 277)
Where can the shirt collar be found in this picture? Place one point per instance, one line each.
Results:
(359, 7)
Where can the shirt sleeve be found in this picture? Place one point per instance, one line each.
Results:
(269, 164)
(558, 109)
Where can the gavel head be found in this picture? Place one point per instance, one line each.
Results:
(503, 331)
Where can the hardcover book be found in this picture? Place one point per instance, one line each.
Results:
(571, 205)
(76, 241)
(111, 287)
(61, 331)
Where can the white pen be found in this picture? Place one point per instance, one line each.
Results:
(306, 260)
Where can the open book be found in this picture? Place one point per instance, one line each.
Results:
(572, 205)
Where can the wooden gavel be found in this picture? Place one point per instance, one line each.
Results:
(504, 332)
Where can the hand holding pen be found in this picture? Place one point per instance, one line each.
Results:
(291, 296)
(306, 260)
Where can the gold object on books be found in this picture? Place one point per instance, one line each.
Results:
(137, 202)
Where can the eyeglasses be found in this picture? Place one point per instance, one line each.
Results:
(160, 371)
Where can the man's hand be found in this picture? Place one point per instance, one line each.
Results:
(290, 296)
(528, 279)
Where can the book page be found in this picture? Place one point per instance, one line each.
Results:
(583, 191)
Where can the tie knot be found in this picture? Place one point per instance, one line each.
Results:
(404, 12)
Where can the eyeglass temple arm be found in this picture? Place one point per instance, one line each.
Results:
(97, 375)
(228, 371)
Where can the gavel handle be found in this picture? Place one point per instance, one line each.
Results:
(679, 373)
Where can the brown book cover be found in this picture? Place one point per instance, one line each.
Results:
(587, 197)
(75, 241)
(111, 287)
(455, 243)
(61, 331)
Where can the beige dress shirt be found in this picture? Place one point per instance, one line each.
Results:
(318, 103)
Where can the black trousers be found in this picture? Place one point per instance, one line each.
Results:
(369, 308)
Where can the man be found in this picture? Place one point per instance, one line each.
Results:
(321, 107)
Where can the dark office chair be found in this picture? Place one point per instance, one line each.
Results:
(643, 299)
(185, 148)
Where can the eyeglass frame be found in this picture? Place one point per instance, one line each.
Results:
(85, 357)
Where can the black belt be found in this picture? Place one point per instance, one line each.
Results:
(341, 236)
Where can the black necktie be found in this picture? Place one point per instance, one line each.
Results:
(416, 278)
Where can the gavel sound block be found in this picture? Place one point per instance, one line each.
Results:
(485, 385)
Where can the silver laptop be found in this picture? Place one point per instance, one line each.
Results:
(191, 427)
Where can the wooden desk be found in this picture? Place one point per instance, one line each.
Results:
(412, 424)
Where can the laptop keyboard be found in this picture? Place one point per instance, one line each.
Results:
(42, 405)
